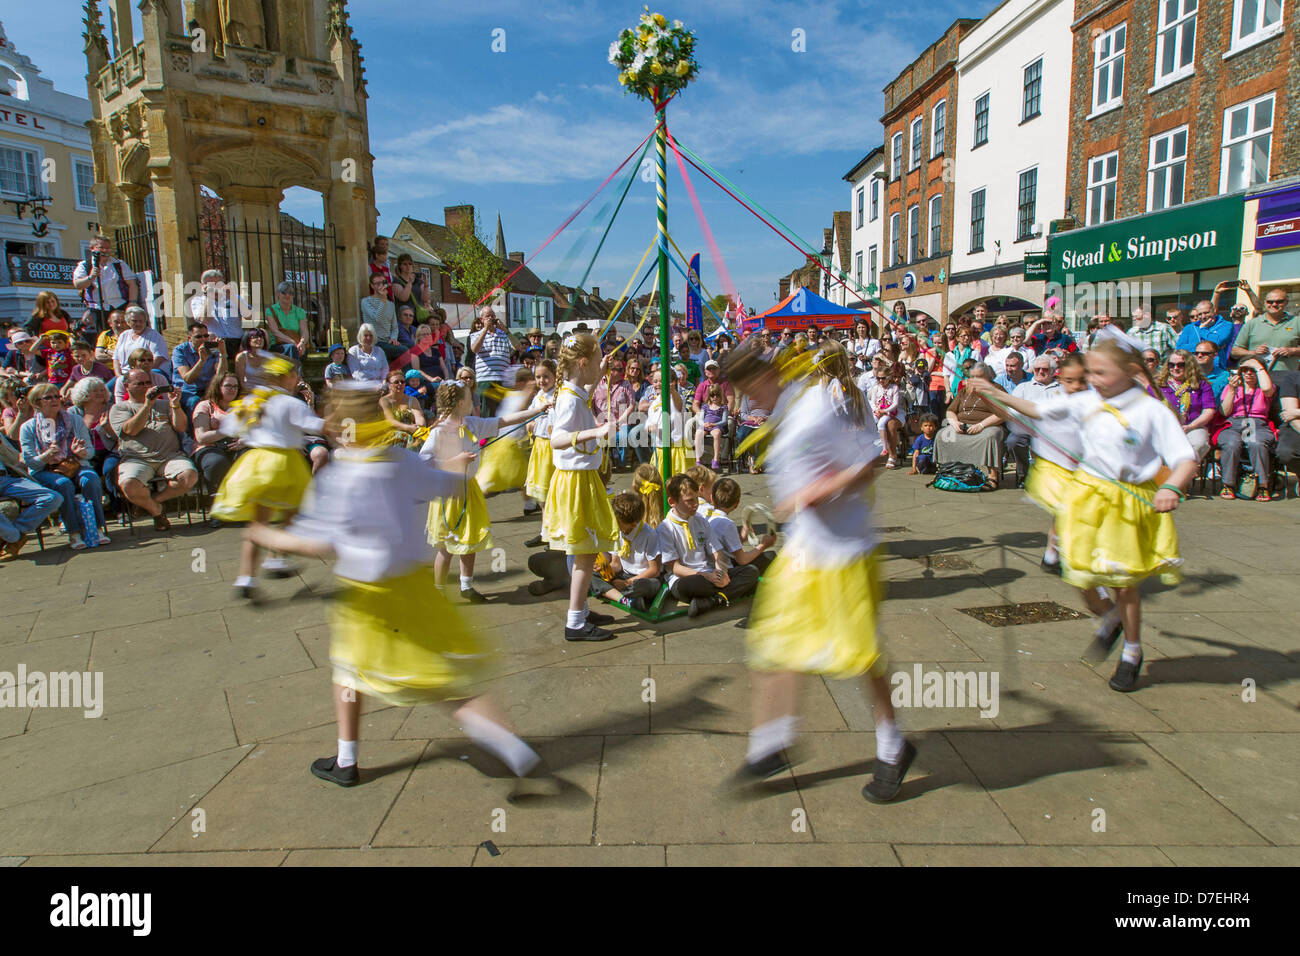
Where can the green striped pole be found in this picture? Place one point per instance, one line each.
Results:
(665, 336)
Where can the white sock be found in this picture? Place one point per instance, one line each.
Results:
(347, 753)
(1132, 652)
(244, 581)
(775, 735)
(1106, 623)
(466, 582)
(576, 619)
(889, 742)
(501, 743)
(276, 563)
(1050, 554)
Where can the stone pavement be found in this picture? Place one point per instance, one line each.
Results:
(214, 709)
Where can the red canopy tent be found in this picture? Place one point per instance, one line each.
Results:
(803, 308)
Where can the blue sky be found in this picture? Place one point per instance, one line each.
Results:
(531, 131)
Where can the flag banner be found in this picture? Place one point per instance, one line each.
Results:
(694, 310)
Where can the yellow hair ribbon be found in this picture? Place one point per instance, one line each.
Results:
(647, 487)
(277, 366)
(249, 408)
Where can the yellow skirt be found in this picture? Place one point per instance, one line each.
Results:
(682, 459)
(1108, 537)
(400, 640)
(541, 466)
(817, 620)
(577, 518)
(460, 525)
(272, 478)
(1047, 485)
(504, 466)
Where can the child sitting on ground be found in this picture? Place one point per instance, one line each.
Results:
(923, 447)
(726, 498)
(635, 564)
(691, 555)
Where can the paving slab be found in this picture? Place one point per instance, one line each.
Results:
(271, 801)
(382, 856)
(782, 854)
(1019, 855)
(572, 856)
(238, 859)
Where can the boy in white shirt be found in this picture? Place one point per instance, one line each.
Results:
(726, 498)
(636, 563)
(695, 563)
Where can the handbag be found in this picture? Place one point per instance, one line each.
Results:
(68, 467)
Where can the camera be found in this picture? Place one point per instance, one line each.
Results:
(163, 390)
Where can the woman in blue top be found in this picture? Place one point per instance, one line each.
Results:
(57, 451)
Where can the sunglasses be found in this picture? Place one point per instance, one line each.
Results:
(1275, 301)
(1177, 364)
(1204, 354)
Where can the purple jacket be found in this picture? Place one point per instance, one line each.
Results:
(1200, 400)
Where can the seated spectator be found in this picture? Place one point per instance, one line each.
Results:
(107, 340)
(378, 314)
(1245, 401)
(14, 408)
(406, 327)
(140, 335)
(1206, 354)
(1191, 398)
(139, 358)
(401, 411)
(1013, 371)
(337, 369)
(215, 452)
(1050, 332)
(35, 502)
(367, 362)
(25, 357)
(148, 431)
(287, 324)
(56, 449)
(48, 316)
(252, 353)
(1040, 388)
(85, 366)
(972, 432)
(195, 363)
(91, 400)
(1288, 418)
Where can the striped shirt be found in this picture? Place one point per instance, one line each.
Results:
(492, 357)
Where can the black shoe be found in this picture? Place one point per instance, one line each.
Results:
(472, 596)
(588, 632)
(1126, 676)
(888, 778)
(595, 617)
(544, 586)
(1051, 567)
(536, 541)
(636, 604)
(1103, 644)
(701, 604)
(763, 769)
(327, 768)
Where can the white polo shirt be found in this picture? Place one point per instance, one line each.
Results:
(696, 552)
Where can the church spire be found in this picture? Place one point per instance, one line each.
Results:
(501, 240)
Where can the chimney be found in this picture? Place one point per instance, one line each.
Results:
(459, 218)
(595, 290)
(516, 257)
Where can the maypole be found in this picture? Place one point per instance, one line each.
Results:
(665, 336)
(655, 62)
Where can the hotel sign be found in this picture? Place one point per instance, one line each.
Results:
(1203, 235)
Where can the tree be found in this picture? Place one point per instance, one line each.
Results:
(720, 303)
(473, 267)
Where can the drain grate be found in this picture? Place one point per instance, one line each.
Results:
(1032, 612)
(942, 562)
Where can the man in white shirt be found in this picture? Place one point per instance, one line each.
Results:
(140, 336)
(222, 310)
(102, 272)
(1042, 387)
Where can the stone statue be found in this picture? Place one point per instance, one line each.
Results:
(242, 24)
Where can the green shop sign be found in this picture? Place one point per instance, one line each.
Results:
(1202, 235)
(1037, 265)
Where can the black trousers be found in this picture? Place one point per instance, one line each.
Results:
(647, 588)
(744, 579)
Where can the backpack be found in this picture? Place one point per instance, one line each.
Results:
(958, 476)
(122, 288)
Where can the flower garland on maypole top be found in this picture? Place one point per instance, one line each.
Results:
(654, 60)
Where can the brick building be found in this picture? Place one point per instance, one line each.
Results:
(1177, 102)
(920, 138)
